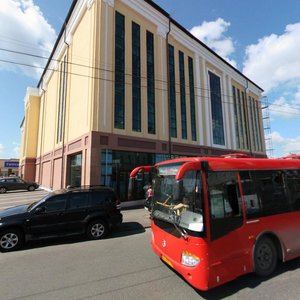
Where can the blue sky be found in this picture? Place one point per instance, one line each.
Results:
(260, 38)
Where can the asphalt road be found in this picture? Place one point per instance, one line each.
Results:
(122, 266)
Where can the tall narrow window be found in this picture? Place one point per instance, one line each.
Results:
(236, 123)
(252, 121)
(192, 99)
(216, 109)
(119, 71)
(256, 124)
(245, 120)
(259, 132)
(136, 77)
(182, 95)
(172, 93)
(150, 83)
(62, 99)
(240, 119)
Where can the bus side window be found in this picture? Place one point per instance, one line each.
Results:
(252, 204)
(272, 192)
(293, 187)
(225, 203)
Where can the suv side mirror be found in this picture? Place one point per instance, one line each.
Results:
(39, 210)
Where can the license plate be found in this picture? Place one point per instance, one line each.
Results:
(167, 261)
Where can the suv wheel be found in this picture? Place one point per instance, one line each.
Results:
(97, 229)
(11, 239)
(31, 188)
(3, 190)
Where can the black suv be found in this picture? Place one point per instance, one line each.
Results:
(16, 183)
(90, 210)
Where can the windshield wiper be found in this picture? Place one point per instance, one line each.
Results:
(176, 219)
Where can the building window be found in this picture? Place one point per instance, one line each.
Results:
(216, 109)
(242, 145)
(259, 135)
(251, 102)
(136, 78)
(182, 95)
(236, 123)
(192, 100)
(150, 83)
(245, 120)
(117, 165)
(172, 93)
(75, 165)
(119, 71)
(63, 69)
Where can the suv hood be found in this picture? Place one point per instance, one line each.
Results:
(21, 209)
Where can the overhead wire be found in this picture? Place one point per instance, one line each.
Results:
(204, 89)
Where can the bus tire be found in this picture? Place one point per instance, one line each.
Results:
(265, 257)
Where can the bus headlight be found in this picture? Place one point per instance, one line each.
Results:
(189, 259)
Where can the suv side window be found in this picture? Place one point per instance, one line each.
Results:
(57, 203)
(78, 200)
(102, 198)
(11, 180)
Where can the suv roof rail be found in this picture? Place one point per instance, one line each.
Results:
(86, 187)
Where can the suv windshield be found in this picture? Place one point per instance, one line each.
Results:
(35, 204)
(179, 202)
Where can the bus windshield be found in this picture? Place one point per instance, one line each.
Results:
(178, 201)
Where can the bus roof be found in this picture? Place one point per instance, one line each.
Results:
(226, 164)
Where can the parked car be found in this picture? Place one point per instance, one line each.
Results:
(16, 183)
(87, 210)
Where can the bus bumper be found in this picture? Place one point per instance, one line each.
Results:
(196, 276)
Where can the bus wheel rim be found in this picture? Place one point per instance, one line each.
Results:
(264, 256)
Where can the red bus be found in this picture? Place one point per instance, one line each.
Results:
(215, 219)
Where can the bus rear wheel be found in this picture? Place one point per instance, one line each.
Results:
(265, 257)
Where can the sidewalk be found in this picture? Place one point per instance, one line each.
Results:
(137, 214)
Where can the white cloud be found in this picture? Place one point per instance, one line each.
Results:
(284, 109)
(23, 28)
(285, 146)
(274, 60)
(213, 35)
(1, 149)
(16, 151)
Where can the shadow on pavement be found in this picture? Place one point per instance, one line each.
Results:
(250, 281)
(126, 229)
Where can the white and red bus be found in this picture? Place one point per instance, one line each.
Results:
(214, 219)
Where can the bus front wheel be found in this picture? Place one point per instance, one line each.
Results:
(265, 257)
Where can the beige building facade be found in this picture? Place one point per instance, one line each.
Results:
(127, 85)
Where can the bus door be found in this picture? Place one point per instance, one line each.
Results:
(227, 255)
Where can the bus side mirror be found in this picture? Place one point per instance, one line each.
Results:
(204, 166)
(131, 188)
(178, 190)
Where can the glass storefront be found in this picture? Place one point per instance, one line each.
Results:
(74, 168)
(117, 165)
